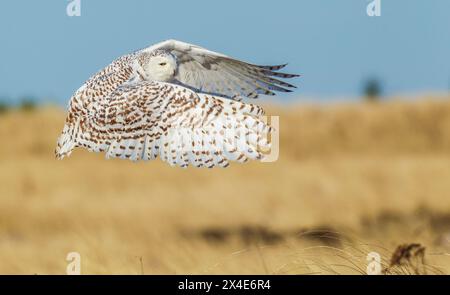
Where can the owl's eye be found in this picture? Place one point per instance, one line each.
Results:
(162, 64)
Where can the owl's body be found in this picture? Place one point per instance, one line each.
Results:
(176, 101)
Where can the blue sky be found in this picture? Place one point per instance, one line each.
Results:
(334, 44)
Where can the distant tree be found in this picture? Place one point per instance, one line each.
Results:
(4, 106)
(27, 104)
(372, 89)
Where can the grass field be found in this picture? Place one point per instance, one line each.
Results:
(352, 178)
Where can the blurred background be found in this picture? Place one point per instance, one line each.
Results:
(364, 160)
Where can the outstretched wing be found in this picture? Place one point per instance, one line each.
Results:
(214, 73)
(145, 120)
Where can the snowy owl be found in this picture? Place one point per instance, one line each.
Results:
(174, 100)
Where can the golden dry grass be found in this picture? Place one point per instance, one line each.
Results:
(374, 175)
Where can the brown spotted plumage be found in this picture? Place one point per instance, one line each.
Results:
(172, 101)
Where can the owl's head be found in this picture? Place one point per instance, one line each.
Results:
(158, 65)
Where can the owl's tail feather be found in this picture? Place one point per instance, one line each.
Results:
(65, 143)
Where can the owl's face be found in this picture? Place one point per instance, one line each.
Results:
(161, 66)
